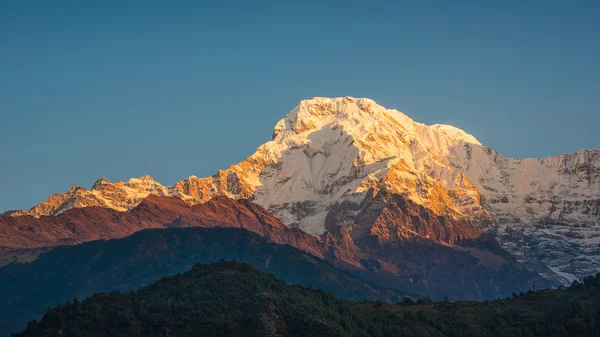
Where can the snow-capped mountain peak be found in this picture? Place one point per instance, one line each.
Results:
(339, 161)
(120, 196)
(328, 151)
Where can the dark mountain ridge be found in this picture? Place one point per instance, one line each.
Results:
(140, 259)
(378, 251)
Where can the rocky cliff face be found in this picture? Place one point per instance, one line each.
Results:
(351, 162)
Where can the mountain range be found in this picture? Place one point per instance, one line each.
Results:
(381, 176)
(475, 268)
(99, 249)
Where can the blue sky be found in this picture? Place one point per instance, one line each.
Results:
(123, 88)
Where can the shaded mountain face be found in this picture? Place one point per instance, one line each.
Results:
(330, 156)
(142, 258)
(393, 252)
(93, 223)
(232, 299)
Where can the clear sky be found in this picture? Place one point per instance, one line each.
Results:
(119, 89)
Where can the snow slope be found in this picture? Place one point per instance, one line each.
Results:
(547, 208)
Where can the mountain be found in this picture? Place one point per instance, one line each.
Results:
(474, 268)
(547, 209)
(119, 196)
(347, 161)
(144, 257)
(324, 153)
(79, 225)
(232, 299)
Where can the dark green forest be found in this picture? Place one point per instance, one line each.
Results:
(234, 299)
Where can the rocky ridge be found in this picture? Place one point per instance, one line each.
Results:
(476, 269)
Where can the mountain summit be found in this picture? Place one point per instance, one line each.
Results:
(324, 152)
(350, 162)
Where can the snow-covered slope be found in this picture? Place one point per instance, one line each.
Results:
(120, 196)
(547, 208)
(327, 152)
(328, 156)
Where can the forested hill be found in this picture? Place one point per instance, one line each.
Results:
(233, 299)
